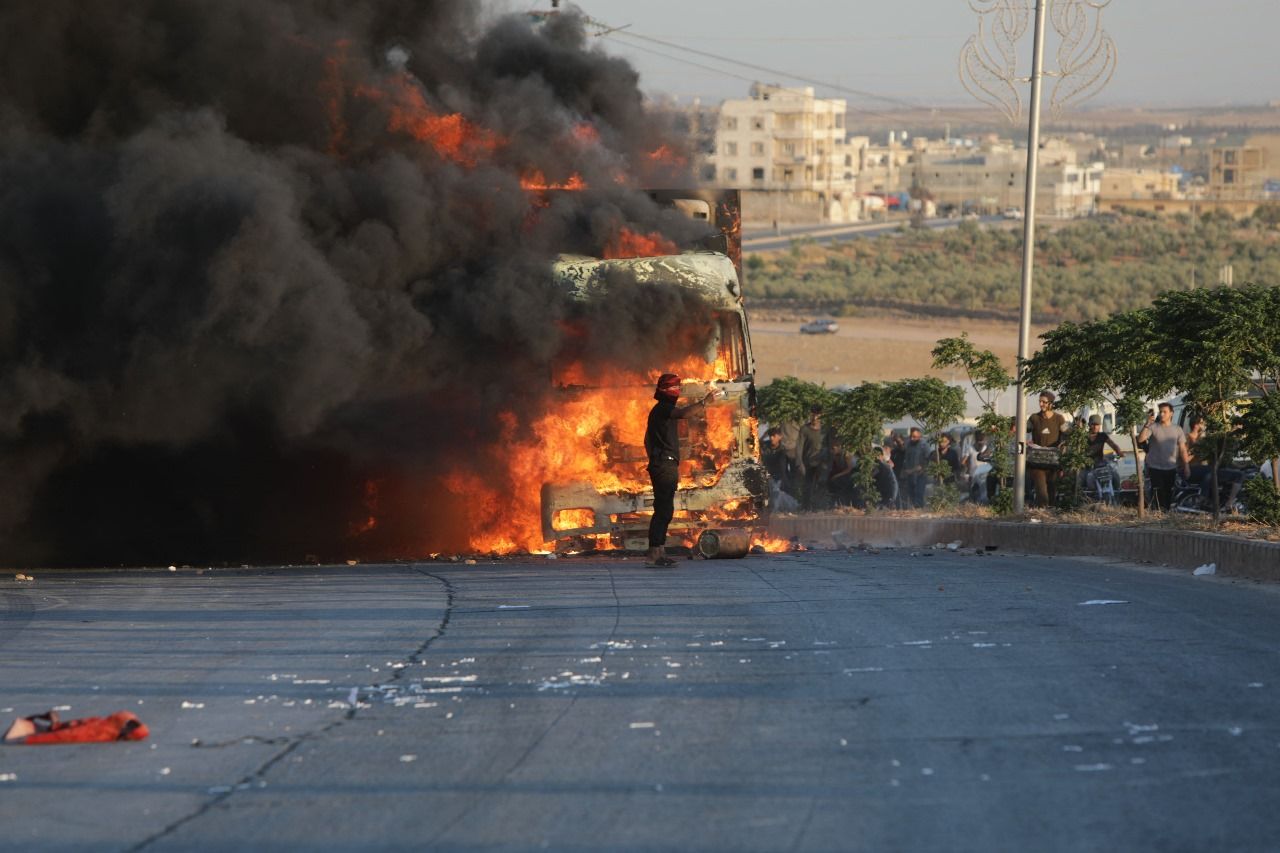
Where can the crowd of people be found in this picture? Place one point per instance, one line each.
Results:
(810, 469)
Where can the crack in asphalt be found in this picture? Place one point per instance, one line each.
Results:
(573, 700)
(246, 782)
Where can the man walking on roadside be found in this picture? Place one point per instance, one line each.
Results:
(662, 444)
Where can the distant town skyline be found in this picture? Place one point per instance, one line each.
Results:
(1171, 53)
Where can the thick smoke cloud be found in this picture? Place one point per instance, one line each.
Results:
(234, 291)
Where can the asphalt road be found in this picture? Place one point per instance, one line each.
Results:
(814, 701)
(765, 241)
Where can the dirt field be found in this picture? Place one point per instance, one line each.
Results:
(872, 348)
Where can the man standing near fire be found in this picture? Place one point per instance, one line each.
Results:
(662, 443)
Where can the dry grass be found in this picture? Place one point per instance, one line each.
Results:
(871, 349)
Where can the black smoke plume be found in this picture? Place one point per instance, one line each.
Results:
(237, 293)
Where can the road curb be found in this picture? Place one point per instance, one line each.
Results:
(1234, 557)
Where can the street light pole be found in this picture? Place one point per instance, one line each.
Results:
(1028, 256)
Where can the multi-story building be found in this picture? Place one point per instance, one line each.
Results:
(992, 177)
(1238, 179)
(785, 149)
(1237, 172)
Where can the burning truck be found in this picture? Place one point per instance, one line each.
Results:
(608, 502)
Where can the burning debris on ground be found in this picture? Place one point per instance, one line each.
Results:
(277, 278)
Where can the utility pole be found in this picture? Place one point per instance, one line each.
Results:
(988, 71)
(1028, 259)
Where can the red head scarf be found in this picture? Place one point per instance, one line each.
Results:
(668, 386)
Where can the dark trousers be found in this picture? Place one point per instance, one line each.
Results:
(665, 476)
(916, 485)
(813, 487)
(1162, 483)
(1045, 483)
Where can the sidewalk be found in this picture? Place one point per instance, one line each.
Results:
(1233, 557)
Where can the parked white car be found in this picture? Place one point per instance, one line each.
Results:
(820, 327)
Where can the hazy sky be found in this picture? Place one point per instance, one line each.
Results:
(1171, 52)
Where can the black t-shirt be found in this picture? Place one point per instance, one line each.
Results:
(775, 461)
(884, 481)
(661, 441)
(952, 458)
(1098, 445)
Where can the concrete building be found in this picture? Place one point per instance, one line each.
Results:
(1138, 183)
(785, 149)
(1237, 172)
(992, 178)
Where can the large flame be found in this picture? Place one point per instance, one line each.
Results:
(591, 435)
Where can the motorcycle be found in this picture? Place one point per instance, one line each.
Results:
(1197, 498)
(1102, 482)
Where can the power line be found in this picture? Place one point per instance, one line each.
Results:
(861, 110)
(939, 112)
(764, 69)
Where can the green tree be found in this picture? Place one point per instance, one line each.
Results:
(789, 400)
(1259, 313)
(989, 379)
(1221, 348)
(1260, 432)
(856, 418)
(933, 405)
(1118, 361)
(1074, 458)
(930, 402)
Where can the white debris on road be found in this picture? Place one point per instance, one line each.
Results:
(1206, 569)
(1101, 601)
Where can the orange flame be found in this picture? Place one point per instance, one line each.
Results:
(535, 181)
(665, 154)
(573, 519)
(629, 244)
(771, 544)
(451, 135)
(594, 436)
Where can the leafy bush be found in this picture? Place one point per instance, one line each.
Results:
(1263, 501)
